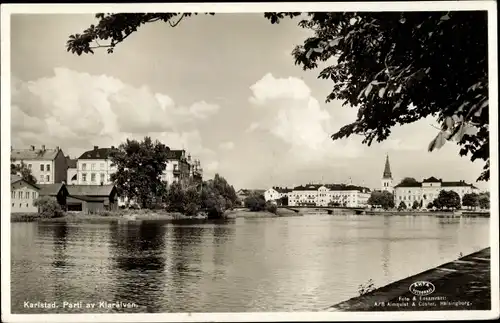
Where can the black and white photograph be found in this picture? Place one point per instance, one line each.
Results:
(249, 161)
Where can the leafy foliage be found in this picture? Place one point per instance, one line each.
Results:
(447, 199)
(48, 207)
(217, 196)
(484, 201)
(382, 198)
(402, 206)
(470, 200)
(139, 167)
(23, 171)
(394, 67)
(408, 181)
(415, 205)
(255, 202)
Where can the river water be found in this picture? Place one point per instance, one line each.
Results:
(243, 265)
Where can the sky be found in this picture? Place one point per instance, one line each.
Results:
(223, 87)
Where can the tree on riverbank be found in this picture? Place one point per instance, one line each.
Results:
(470, 200)
(217, 196)
(394, 67)
(448, 200)
(484, 200)
(402, 206)
(383, 199)
(23, 171)
(415, 205)
(139, 166)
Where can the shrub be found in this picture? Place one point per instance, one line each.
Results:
(270, 207)
(255, 203)
(48, 207)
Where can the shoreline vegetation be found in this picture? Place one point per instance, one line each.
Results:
(145, 215)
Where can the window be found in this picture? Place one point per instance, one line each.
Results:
(12, 204)
(102, 176)
(92, 177)
(26, 204)
(41, 177)
(84, 177)
(92, 166)
(20, 195)
(48, 167)
(102, 166)
(13, 195)
(41, 167)
(20, 205)
(84, 167)
(29, 166)
(48, 178)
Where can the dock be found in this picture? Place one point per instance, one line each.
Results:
(463, 284)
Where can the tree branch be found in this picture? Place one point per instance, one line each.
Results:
(178, 21)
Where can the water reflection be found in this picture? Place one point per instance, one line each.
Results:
(282, 264)
(139, 263)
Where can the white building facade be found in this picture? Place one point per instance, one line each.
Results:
(48, 166)
(23, 195)
(94, 167)
(276, 193)
(329, 195)
(428, 190)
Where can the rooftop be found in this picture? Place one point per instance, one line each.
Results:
(50, 189)
(97, 153)
(34, 154)
(90, 190)
(432, 179)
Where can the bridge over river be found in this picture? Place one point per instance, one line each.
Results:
(329, 209)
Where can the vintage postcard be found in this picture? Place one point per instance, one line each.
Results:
(249, 162)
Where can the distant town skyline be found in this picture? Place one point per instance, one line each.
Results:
(239, 104)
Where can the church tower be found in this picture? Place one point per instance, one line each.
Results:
(387, 177)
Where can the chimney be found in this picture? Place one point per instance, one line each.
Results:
(32, 148)
(96, 147)
(43, 147)
(112, 147)
(57, 148)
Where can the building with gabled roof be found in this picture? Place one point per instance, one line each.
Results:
(57, 191)
(47, 165)
(92, 198)
(23, 195)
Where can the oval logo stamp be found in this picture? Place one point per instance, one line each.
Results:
(422, 288)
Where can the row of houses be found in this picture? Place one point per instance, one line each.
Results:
(94, 167)
(82, 198)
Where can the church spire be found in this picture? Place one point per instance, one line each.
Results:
(387, 169)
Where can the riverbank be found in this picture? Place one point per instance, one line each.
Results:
(245, 213)
(441, 214)
(141, 215)
(463, 284)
